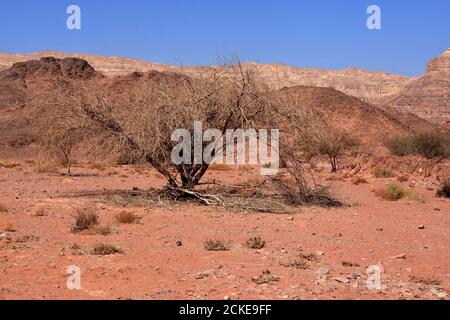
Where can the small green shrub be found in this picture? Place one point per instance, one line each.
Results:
(393, 192)
(427, 144)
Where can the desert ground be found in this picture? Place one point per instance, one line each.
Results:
(310, 252)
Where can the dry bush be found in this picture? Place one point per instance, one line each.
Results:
(8, 165)
(98, 166)
(102, 230)
(216, 245)
(302, 189)
(323, 140)
(265, 277)
(444, 191)
(39, 211)
(8, 226)
(3, 208)
(296, 263)
(127, 217)
(402, 178)
(382, 172)
(255, 243)
(85, 218)
(432, 281)
(103, 249)
(46, 167)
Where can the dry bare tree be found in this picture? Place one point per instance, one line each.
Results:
(329, 142)
(143, 120)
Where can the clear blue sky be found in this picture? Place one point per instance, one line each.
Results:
(329, 34)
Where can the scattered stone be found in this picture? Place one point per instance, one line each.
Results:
(341, 279)
(322, 272)
(400, 256)
(5, 236)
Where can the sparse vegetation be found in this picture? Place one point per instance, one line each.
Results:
(382, 172)
(39, 211)
(103, 249)
(255, 243)
(427, 144)
(444, 190)
(296, 263)
(265, 277)
(328, 142)
(393, 192)
(85, 218)
(3, 208)
(127, 217)
(8, 226)
(216, 245)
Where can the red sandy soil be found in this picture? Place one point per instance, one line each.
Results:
(371, 231)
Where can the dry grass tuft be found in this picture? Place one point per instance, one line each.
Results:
(8, 226)
(255, 243)
(265, 277)
(444, 191)
(46, 167)
(426, 281)
(216, 245)
(127, 217)
(3, 208)
(297, 264)
(102, 249)
(85, 218)
(39, 211)
(382, 172)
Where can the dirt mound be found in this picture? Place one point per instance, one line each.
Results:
(367, 122)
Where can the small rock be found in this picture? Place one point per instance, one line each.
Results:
(342, 279)
(319, 253)
(422, 227)
(380, 229)
(400, 256)
(437, 209)
(323, 272)
(226, 298)
(290, 219)
(179, 243)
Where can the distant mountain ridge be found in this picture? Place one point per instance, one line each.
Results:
(368, 86)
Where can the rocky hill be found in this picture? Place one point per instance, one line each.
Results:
(429, 96)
